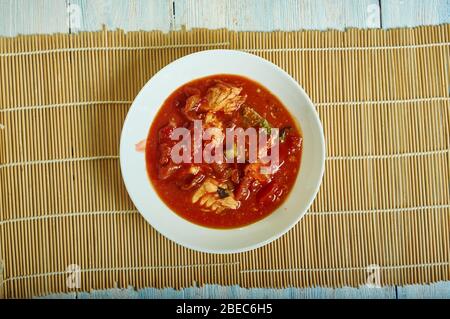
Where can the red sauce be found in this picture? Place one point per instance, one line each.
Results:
(257, 199)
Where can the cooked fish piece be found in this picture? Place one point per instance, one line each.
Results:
(207, 196)
(209, 186)
(224, 203)
(212, 121)
(192, 102)
(223, 97)
(191, 106)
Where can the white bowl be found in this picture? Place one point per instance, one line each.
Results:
(146, 106)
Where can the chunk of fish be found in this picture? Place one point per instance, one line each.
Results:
(223, 97)
(191, 106)
(207, 197)
(212, 121)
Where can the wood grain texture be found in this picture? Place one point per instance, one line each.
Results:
(51, 16)
(411, 13)
(133, 15)
(30, 16)
(435, 291)
(268, 15)
(227, 292)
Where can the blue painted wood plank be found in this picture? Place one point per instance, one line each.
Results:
(440, 290)
(72, 295)
(133, 15)
(269, 15)
(436, 290)
(30, 17)
(412, 13)
(234, 292)
(51, 16)
(223, 292)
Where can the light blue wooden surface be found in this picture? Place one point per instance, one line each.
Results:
(411, 13)
(436, 290)
(50, 16)
(269, 15)
(89, 15)
(28, 17)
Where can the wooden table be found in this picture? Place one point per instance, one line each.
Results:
(50, 16)
(71, 16)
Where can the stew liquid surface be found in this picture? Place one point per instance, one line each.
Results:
(223, 194)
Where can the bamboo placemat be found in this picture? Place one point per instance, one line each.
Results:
(382, 96)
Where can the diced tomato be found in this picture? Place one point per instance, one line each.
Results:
(270, 193)
(235, 176)
(164, 153)
(243, 190)
(165, 133)
(168, 170)
(254, 170)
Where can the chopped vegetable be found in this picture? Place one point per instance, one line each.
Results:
(253, 118)
(284, 132)
(265, 124)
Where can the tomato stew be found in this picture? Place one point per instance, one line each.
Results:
(222, 194)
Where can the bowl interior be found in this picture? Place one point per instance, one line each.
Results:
(147, 104)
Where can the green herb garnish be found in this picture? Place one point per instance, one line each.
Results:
(253, 118)
(284, 132)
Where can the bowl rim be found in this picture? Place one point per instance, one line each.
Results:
(316, 185)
